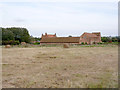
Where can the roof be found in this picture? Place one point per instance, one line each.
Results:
(60, 40)
(50, 35)
(89, 35)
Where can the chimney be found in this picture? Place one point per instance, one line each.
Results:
(45, 34)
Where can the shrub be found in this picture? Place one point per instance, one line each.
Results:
(99, 43)
(37, 43)
(85, 43)
(110, 41)
(26, 45)
(94, 43)
(15, 43)
(11, 42)
(82, 43)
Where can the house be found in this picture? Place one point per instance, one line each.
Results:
(89, 38)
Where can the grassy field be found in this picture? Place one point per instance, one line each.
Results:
(55, 67)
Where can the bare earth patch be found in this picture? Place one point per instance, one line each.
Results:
(55, 67)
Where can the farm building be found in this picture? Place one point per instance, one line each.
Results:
(88, 38)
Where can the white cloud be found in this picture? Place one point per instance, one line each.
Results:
(62, 18)
(59, 0)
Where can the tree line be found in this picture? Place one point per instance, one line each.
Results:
(110, 39)
(15, 35)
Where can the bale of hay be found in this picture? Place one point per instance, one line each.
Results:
(65, 45)
(23, 43)
(7, 46)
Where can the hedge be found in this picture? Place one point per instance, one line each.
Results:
(11, 42)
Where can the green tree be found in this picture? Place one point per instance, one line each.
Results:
(105, 39)
(70, 36)
(20, 34)
(15, 35)
(7, 34)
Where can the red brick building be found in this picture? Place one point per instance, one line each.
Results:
(53, 39)
(88, 38)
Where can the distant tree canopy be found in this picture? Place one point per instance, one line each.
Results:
(110, 39)
(37, 39)
(70, 36)
(15, 34)
(7, 35)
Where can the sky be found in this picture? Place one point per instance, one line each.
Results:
(64, 18)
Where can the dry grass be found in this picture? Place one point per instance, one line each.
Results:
(54, 67)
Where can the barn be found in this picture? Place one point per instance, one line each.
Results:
(88, 38)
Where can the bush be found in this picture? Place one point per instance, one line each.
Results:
(15, 43)
(110, 41)
(82, 43)
(37, 43)
(94, 43)
(11, 42)
(99, 43)
(85, 43)
(26, 45)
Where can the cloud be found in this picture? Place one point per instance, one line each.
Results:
(20, 20)
(59, 1)
(62, 18)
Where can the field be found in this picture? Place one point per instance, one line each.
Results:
(55, 67)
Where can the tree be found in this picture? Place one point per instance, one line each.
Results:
(69, 36)
(7, 34)
(16, 34)
(105, 39)
(118, 38)
(20, 34)
(37, 39)
(110, 39)
(114, 39)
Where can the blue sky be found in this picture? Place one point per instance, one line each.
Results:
(63, 18)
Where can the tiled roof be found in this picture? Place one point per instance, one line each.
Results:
(50, 35)
(60, 40)
(89, 35)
